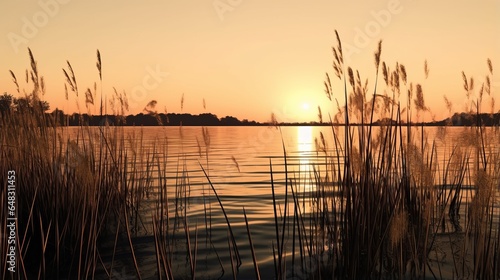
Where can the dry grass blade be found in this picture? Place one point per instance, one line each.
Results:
(132, 251)
(190, 253)
(277, 266)
(14, 79)
(233, 239)
(71, 79)
(229, 244)
(254, 258)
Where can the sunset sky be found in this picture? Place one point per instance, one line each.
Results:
(245, 58)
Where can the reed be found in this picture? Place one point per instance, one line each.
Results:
(380, 205)
(71, 193)
(384, 200)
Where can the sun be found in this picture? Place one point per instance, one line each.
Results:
(305, 106)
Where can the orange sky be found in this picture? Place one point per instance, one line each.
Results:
(245, 58)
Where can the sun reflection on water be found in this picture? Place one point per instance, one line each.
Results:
(305, 149)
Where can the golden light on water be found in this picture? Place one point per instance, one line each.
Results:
(305, 140)
(305, 148)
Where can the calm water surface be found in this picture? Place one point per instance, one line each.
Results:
(238, 161)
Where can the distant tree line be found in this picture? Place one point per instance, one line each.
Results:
(458, 119)
(23, 105)
(10, 104)
(465, 119)
(170, 119)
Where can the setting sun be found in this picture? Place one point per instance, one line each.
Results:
(305, 106)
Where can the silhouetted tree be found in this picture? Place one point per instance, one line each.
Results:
(44, 105)
(230, 120)
(207, 119)
(27, 104)
(22, 104)
(57, 117)
(6, 103)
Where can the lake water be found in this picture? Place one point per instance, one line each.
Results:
(237, 160)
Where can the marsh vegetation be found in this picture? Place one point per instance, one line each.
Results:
(375, 202)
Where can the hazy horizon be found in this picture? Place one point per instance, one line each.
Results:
(246, 59)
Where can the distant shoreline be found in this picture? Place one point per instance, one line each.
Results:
(58, 118)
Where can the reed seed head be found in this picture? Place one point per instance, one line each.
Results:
(337, 64)
(402, 70)
(328, 87)
(34, 68)
(398, 228)
(488, 85)
(274, 121)
(42, 85)
(490, 66)
(99, 64)
(377, 54)
(89, 98)
(466, 84)
(339, 46)
(152, 103)
(320, 115)
(206, 137)
(14, 79)
(419, 99)
(385, 73)
(448, 103)
(426, 69)
(351, 76)
(71, 78)
(323, 142)
(395, 80)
